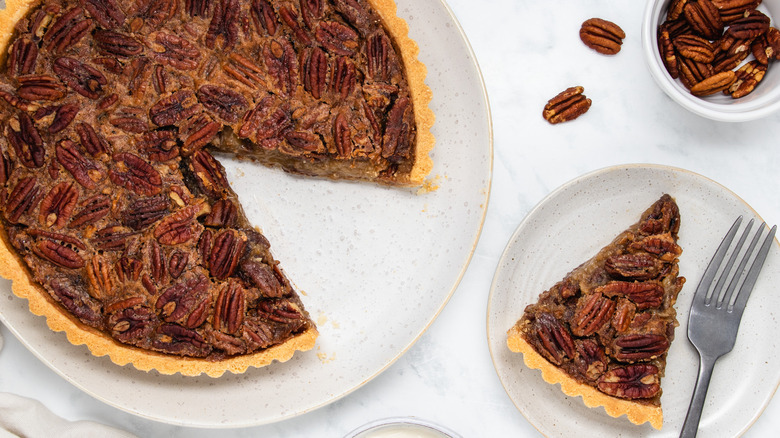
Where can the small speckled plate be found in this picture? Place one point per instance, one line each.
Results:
(374, 265)
(568, 227)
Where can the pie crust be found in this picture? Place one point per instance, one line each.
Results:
(592, 398)
(14, 268)
(611, 320)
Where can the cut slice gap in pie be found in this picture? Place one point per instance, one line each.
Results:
(119, 225)
(604, 330)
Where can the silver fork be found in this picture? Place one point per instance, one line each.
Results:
(716, 310)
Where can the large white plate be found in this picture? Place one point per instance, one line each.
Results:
(569, 226)
(375, 265)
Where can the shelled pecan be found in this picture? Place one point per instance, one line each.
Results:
(707, 44)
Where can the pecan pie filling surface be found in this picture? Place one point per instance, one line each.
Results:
(603, 332)
(112, 201)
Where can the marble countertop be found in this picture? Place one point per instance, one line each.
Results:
(528, 52)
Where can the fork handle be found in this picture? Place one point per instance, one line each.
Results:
(691, 425)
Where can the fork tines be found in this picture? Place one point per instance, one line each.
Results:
(743, 276)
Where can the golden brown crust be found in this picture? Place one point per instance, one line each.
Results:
(421, 93)
(13, 268)
(637, 413)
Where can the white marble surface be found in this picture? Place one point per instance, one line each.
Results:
(528, 51)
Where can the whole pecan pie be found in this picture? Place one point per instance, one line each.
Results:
(603, 332)
(118, 223)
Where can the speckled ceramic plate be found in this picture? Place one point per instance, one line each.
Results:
(568, 227)
(375, 265)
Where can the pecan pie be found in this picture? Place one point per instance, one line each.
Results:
(603, 332)
(118, 223)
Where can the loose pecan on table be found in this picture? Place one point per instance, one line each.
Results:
(602, 36)
(566, 106)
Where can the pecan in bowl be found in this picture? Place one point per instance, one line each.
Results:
(716, 58)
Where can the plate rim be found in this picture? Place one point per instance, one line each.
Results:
(561, 188)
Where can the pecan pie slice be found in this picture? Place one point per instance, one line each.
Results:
(604, 330)
(118, 223)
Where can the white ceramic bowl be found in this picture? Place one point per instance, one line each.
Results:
(401, 427)
(764, 100)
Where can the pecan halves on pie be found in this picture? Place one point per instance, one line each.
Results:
(645, 295)
(60, 249)
(591, 360)
(74, 298)
(176, 339)
(93, 209)
(567, 105)
(178, 227)
(132, 325)
(209, 174)
(57, 205)
(592, 312)
(631, 381)
(662, 246)
(265, 278)
(337, 38)
(395, 142)
(625, 311)
(82, 78)
(172, 109)
(229, 105)
(67, 31)
(262, 13)
(160, 145)
(225, 253)
(40, 87)
(26, 141)
(84, 171)
(229, 308)
(224, 214)
(135, 174)
(640, 347)
(602, 36)
(112, 238)
(63, 116)
(176, 51)
(107, 13)
(638, 267)
(22, 57)
(23, 199)
(663, 217)
(244, 70)
(179, 300)
(553, 339)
